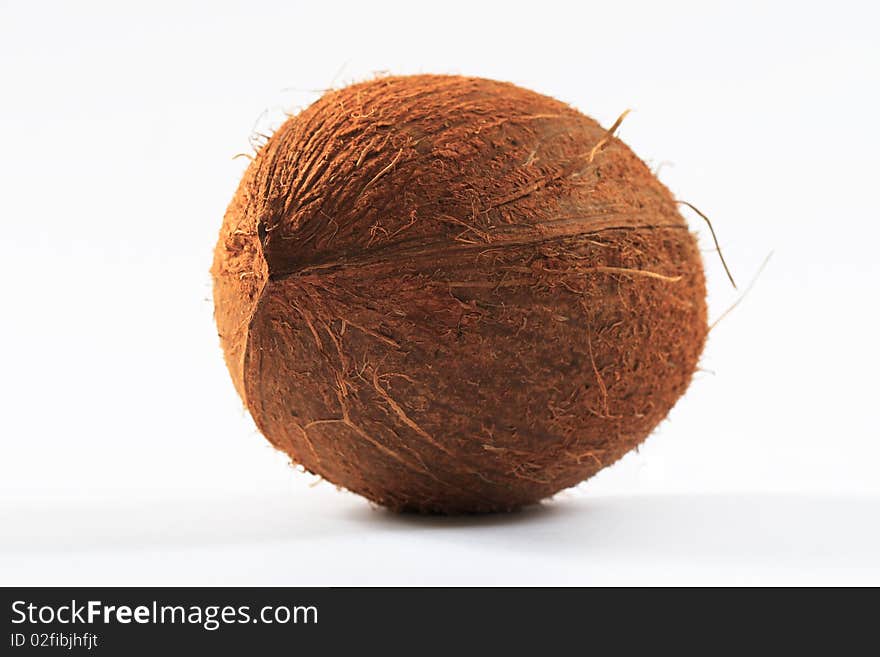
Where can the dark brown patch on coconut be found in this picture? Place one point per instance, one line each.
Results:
(437, 292)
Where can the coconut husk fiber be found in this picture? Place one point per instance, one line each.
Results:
(450, 294)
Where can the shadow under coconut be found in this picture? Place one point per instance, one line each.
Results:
(773, 529)
(472, 521)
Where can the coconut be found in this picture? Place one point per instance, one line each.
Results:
(451, 294)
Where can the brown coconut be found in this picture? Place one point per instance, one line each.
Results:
(451, 294)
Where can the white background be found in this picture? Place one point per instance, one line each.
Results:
(126, 456)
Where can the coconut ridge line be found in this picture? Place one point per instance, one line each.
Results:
(406, 340)
(518, 236)
(491, 235)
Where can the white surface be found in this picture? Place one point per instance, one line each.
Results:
(126, 457)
